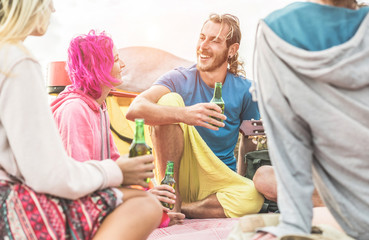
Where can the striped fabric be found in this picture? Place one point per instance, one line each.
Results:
(29, 215)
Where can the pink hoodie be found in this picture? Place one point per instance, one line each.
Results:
(84, 126)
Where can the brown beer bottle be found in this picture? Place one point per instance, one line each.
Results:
(139, 146)
(169, 180)
(217, 98)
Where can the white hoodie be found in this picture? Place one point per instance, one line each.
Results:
(315, 108)
(31, 149)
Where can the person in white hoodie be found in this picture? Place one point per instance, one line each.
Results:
(44, 194)
(312, 82)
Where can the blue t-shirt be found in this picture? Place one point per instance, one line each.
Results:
(315, 27)
(238, 107)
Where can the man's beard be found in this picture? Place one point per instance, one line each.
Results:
(218, 61)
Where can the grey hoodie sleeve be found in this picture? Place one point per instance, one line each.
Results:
(289, 142)
(314, 105)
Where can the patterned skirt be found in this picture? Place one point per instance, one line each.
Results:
(28, 215)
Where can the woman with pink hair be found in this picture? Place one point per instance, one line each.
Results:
(94, 68)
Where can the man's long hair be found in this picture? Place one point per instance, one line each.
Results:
(351, 4)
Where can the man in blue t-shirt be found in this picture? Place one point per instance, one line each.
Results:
(217, 61)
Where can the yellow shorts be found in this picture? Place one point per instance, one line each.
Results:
(202, 173)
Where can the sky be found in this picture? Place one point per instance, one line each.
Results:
(170, 25)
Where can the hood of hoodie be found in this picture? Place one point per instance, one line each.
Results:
(69, 93)
(337, 66)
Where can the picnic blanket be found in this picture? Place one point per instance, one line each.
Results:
(196, 229)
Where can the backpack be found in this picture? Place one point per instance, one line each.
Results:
(254, 160)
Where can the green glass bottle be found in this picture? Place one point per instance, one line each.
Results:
(217, 98)
(139, 146)
(169, 180)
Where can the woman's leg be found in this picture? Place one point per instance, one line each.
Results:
(138, 215)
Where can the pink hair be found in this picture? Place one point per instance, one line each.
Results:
(90, 60)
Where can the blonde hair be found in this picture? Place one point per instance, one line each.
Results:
(233, 36)
(20, 18)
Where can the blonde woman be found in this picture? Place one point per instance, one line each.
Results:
(44, 194)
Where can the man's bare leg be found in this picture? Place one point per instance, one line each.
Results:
(207, 208)
(265, 182)
(168, 144)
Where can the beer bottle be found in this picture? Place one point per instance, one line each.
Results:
(217, 98)
(169, 180)
(139, 146)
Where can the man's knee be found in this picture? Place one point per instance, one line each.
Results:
(263, 175)
(265, 182)
(171, 99)
(167, 133)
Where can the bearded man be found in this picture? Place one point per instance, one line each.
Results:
(185, 128)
